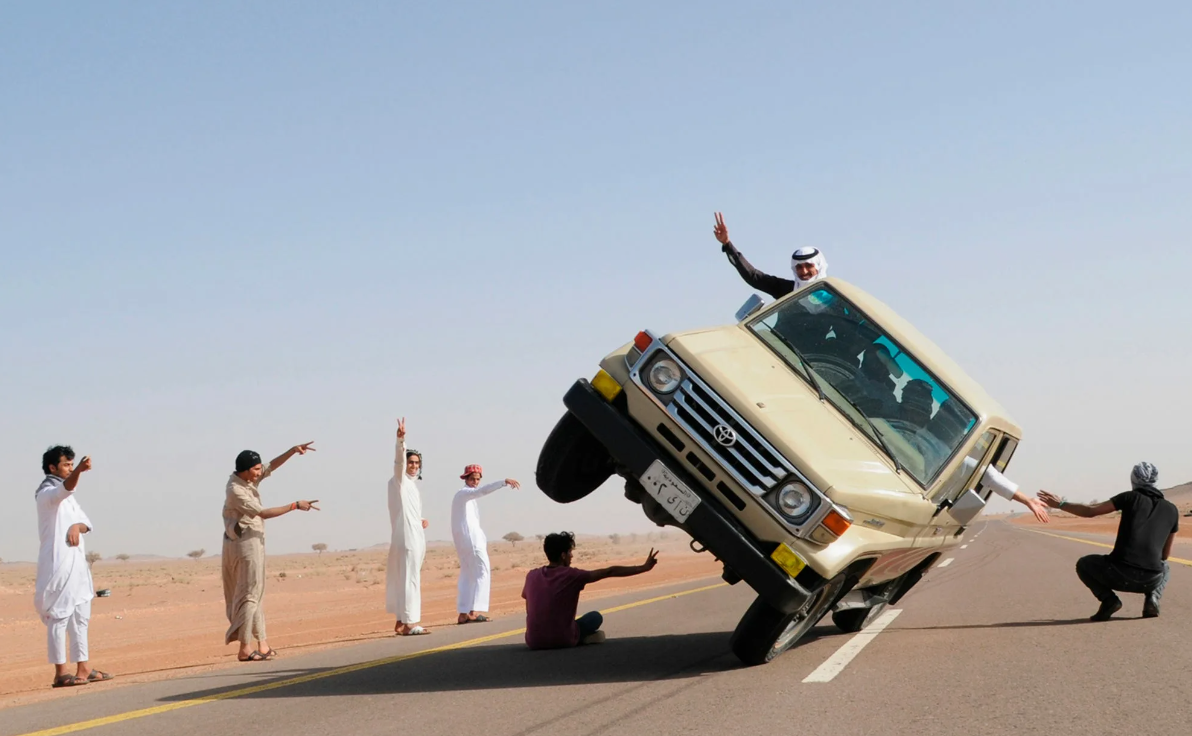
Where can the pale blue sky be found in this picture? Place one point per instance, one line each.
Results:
(230, 225)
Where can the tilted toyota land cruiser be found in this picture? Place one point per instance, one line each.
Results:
(821, 448)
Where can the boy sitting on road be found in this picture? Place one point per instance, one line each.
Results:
(552, 596)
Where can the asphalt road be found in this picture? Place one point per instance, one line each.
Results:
(997, 642)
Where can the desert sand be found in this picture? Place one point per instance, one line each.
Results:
(166, 616)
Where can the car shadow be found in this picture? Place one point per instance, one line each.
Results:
(1013, 624)
(493, 667)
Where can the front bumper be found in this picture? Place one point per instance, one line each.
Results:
(709, 523)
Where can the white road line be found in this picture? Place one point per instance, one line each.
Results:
(845, 654)
(946, 562)
(964, 546)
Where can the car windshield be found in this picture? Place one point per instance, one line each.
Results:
(879, 386)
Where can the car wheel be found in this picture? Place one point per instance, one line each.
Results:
(572, 463)
(855, 619)
(765, 632)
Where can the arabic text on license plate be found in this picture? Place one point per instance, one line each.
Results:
(669, 491)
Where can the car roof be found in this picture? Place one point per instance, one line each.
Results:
(928, 354)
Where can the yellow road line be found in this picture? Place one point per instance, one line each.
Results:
(156, 710)
(1100, 544)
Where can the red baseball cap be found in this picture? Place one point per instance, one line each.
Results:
(471, 469)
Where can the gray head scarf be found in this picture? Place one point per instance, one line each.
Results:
(1143, 478)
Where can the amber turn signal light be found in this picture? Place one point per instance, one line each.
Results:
(836, 523)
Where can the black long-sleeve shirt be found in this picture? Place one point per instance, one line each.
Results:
(775, 286)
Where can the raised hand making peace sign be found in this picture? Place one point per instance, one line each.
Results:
(721, 230)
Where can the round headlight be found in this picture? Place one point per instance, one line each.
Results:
(794, 500)
(664, 376)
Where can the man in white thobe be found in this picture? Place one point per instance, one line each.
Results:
(407, 545)
(471, 545)
(64, 588)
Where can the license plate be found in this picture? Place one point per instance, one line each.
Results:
(672, 493)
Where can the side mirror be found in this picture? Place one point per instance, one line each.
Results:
(966, 508)
(750, 307)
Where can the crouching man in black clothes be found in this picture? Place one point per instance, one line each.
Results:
(1145, 534)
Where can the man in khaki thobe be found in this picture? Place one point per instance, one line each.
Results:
(244, 549)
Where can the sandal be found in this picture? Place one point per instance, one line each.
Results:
(415, 631)
(68, 681)
(271, 654)
(98, 676)
(254, 657)
(481, 619)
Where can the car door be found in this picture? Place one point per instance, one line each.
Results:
(965, 477)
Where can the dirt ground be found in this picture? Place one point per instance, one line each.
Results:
(167, 616)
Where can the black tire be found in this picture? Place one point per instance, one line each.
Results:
(572, 463)
(855, 619)
(765, 632)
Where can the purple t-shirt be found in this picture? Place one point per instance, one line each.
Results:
(552, 595)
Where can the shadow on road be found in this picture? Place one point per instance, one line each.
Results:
(1011, 624)
(631, 659)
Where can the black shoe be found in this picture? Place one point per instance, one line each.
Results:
(1107, 609)
(1150, 609)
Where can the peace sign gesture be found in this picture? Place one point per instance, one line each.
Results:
(721, 230)
(401, 428)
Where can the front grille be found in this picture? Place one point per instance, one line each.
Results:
(750, 460)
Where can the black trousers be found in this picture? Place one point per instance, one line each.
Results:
(1103, 576)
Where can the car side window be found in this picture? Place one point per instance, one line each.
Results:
(965, 476)
(1005, 451)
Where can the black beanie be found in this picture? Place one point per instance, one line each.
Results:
(246, 460)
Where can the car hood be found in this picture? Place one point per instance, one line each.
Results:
(821, 442)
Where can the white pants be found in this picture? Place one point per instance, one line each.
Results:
(474, 581)
(74, 626)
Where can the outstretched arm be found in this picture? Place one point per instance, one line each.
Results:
(302, 449)
(772, 285)
(625, 571)
(399, 455)
(276, 511)
(72, 480)
(1008, 489)
(1037, 507)
(473, 493)
(1079, 509)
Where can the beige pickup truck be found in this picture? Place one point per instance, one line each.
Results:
(822, 449)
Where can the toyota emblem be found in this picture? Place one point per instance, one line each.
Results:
(725, 435)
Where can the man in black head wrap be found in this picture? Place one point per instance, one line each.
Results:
(1138, 562)
(244, 549)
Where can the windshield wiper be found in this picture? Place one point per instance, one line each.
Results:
(877, 433)
(881, 439)
(804, 365)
